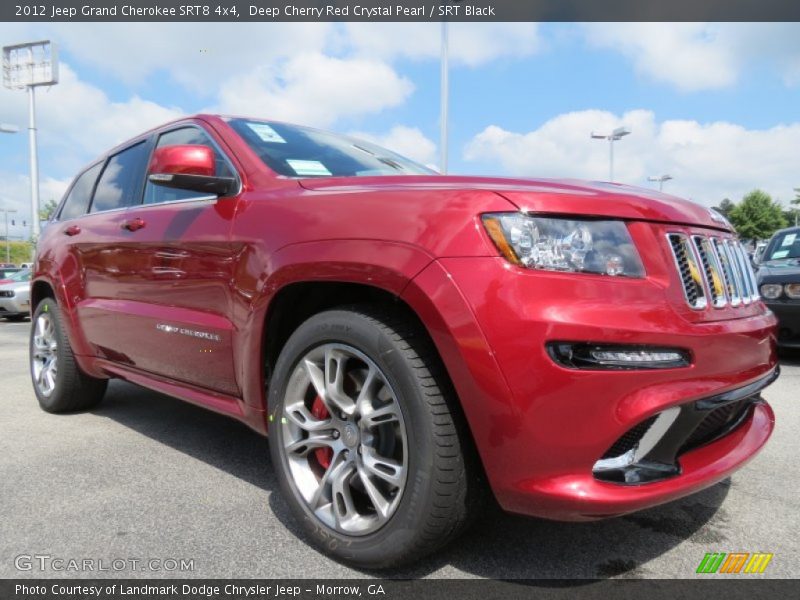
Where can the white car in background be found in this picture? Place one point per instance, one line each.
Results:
(15, 296)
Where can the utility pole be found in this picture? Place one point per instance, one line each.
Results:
(8, 245)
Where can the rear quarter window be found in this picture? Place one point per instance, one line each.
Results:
(77, 201)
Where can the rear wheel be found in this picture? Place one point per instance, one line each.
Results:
(367, 445)
(58, 382)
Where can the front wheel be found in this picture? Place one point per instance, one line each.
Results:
(365, 438)
(58, 382)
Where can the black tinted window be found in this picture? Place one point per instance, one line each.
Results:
(187, 135)
(120, 179)
(77, 203)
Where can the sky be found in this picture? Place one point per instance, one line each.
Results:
(716, 106)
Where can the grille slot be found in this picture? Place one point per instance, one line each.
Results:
(689, 271)
(713, 270)
(718, 422)
(731, 287)
(629, 439)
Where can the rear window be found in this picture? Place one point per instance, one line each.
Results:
(77, 202)
(295, 151)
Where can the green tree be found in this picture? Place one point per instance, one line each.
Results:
(47, 211)
(757, 216)
(725, 207)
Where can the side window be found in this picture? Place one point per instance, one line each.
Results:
(120, 180)
(186, 135)
(77, 203)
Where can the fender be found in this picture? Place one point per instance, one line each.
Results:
(388, 266)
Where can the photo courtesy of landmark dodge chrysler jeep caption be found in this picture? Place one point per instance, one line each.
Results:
(410, 342)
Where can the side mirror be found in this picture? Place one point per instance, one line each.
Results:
(188, 167)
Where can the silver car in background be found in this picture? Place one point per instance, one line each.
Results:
(15, 296)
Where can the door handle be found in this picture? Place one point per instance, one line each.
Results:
(134, 224)
(72, 230)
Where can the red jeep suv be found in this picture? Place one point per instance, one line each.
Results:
(408, 340)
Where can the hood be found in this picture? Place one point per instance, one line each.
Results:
(779, 272)
(546, 196)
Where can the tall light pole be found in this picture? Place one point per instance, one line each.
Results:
(28, 66)
(617, 134)
(660, 179)
(5, 212)
(444, 98)
(6, 128)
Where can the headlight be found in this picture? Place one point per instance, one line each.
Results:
(553, 244)
(771, 291)
(793, 290)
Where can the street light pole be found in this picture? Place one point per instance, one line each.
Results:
(617, 134)
(26, 66)
(444, 98)
(8, 247)
(660, 179)
(34, 158)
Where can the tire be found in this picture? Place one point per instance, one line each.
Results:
(416, 426)
(58, 382)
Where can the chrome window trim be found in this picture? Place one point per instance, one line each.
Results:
(209, 198)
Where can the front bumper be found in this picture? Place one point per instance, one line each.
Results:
(788, 314)
(540, 427)
(16, 305)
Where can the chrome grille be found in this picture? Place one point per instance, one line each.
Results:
(713, 270)
(685, 260)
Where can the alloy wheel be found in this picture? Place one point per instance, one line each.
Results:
(344, 439)
(44, 360)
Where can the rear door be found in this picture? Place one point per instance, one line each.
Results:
(99, 261)
(167, 308)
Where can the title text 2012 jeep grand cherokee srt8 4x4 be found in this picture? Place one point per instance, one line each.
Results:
(407, 339)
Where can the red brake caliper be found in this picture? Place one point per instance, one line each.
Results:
(323, 455)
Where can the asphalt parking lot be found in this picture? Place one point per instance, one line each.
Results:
(144, 476)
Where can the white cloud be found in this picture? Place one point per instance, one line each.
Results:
(198, 56)
(406, 141)
(15, 195)
(80, 121)
(709, 161)
(471, 44)
(701, 56)
(315, 89)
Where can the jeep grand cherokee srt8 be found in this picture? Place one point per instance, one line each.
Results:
(408, 339)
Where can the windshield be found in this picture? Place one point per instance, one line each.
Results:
(295, 151)
(20, 276)
(785, 246)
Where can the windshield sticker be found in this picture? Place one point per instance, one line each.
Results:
(780, 254)
(308, 167)
(789, 239)
(266, 133)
